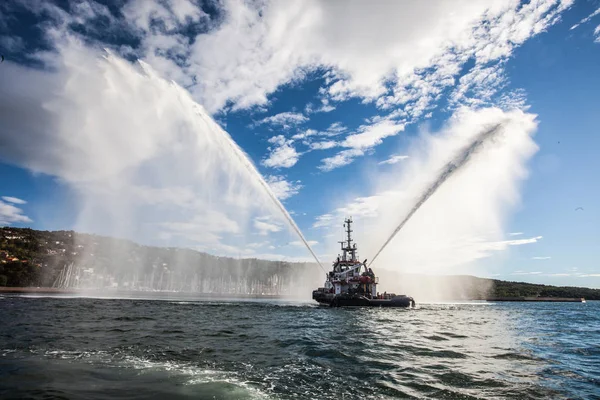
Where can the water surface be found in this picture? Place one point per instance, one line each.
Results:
(82, 348)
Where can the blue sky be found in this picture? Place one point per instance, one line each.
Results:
(344, 110)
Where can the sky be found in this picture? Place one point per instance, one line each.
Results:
(165, 122)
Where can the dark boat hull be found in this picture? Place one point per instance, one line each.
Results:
(327, 299)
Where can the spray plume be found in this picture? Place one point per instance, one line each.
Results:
(143, 159)
(456, 164)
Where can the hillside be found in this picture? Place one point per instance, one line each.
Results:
(66, 259)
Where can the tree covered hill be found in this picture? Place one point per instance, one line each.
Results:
(73, 260)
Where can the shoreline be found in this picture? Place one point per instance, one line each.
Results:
(540, 299)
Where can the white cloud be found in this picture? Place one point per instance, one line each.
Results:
(285, 120)
(13, 200)
(325, 107)
(478, 86)
(526, 273)
(367, 137)
(393, 159)
(361, 207)
(342, 158)
(9, 214)
(309, 135)
(283, 188)
(518, 242)
(597, 34)
(573, 274)
(305, 134)
(327, 144)
(405, 53)
(586, 19)
(541, 258)
(282, 153)
(515, 233)
(335, 129)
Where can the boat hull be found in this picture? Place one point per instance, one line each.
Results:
(332, 300)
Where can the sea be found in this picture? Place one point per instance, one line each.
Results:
(100, 348)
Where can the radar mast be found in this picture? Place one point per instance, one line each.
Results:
(347, 246)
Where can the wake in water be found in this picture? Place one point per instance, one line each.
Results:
(456, 164)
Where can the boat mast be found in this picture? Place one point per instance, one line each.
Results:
(349, 248)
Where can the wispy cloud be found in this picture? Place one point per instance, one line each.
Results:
(335, 129)
(342, 158)
(574, 274)
(13, 200)
(515, 233)
(366, 137)
(586, 19)
(369, 136)
(325, 107)
(285, 120)
(521, 241)
(10, 214)
(541, 258)
(327, 144)
(393, 160)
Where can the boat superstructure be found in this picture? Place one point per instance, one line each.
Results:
(352, 283)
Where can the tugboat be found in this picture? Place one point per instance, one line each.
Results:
(352, 284)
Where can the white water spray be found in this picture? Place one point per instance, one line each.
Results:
(142, 159)
(456, 164)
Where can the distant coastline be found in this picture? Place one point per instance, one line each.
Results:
(192, 295)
